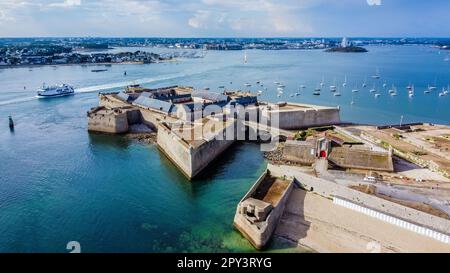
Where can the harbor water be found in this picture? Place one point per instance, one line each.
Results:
(60, 183)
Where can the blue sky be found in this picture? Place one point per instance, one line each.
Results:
(225, 18)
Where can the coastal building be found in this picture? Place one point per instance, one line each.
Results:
(293, 116)
(195, 126)
(306, 152)
(112, 120)
(259, 211)
(194, 146)
(341, 151)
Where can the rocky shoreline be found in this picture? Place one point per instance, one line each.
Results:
(146, 138)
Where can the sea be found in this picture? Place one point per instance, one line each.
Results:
(59, 183)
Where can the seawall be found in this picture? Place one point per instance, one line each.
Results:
(260, 233)
(191, 160)
(296, 116)
(333, 190)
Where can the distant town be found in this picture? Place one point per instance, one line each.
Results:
(58, 54)
(54, 51)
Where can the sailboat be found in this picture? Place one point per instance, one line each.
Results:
(444, 92)
(317, 88)
(411, 92)
(377, 75)
(409, 86)
(384, 84)
(355, 90)
(279, 91)
(333, 87)
(364, 84)
(322, 83)
(337, 94)
(353, 101)
(373, 90)
(344, 84)
(245, 57)
(433, 87)
(393, 91)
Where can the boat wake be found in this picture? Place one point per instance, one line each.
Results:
(96, 88)
(18, 100)
(126, 83)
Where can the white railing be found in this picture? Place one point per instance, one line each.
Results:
(393, 220)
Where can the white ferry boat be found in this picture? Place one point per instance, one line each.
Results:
(55, 91)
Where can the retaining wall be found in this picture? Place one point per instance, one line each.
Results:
(361, 159)
(175, 149)
(301, 118)
(260, 235)
(431, 165)
(107, 121)
(333, 190)
(300, 152)
(393, 220)
(190, 160)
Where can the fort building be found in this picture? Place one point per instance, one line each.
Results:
(259, 211)
(195, 126)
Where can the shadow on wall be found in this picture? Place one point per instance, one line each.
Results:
(292, 226)
(103, 140)
(401, 165)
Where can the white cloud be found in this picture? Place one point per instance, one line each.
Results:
(4, 16)
(65, 4)
(374, 2)
(143, 10)
(205, 19)
(200, 19)
(253, 16)
(9, 7)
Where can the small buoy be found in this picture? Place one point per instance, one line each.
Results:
(11, 123)
(125, 73)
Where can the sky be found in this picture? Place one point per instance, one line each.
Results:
(224, 18)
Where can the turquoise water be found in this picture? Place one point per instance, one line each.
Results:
(59, 183)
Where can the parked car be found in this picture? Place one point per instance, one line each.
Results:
(370, 179)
